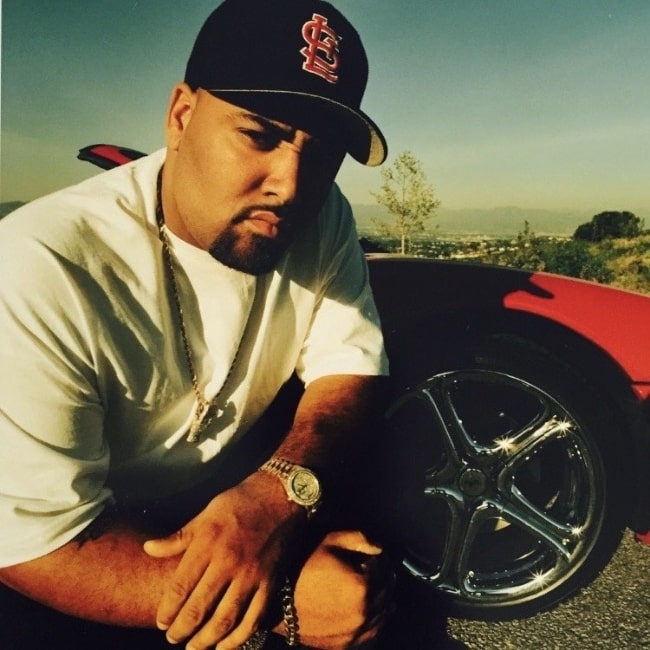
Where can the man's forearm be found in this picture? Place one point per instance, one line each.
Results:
(109, 579)
(334, 419)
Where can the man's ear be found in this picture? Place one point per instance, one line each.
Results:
(179, 113)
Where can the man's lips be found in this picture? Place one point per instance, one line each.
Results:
(265, 222)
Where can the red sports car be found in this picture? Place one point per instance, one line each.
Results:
(521, 421)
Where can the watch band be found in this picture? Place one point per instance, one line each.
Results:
(300, 483)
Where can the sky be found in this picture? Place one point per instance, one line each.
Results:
(529, 103)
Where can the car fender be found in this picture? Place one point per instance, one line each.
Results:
(418, 291)
(598, 313)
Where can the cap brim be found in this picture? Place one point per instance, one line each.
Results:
(317, 115)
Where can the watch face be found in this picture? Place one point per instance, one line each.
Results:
(305, 487)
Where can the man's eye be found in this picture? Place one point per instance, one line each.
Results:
(329, 154)
(262, 139)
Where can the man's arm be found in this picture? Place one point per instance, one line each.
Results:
(108, 578)
(333, 420)
(218, 573)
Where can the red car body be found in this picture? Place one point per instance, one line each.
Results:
(615, 321)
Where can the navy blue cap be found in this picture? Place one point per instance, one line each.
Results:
(296, 61)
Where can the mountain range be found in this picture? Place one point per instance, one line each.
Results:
(483, 221)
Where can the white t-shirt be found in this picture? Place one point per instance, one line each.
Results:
(95, 395)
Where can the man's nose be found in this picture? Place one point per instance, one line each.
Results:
(283, 173)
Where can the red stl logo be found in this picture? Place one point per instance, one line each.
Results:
(322, 53)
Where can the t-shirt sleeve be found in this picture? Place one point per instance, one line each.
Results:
(344, 336)
(53, 459)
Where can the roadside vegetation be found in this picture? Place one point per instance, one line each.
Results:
(623, 262)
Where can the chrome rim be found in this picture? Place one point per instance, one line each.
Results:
(511, 487)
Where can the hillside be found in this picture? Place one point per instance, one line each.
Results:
(629, 261)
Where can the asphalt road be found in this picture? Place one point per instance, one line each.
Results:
(613, 613)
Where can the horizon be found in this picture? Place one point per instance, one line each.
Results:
(505, 104)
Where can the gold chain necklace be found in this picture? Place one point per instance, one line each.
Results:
(205, 410)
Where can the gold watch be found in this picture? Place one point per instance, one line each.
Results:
(300, 483)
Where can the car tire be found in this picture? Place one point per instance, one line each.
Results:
(514, 493)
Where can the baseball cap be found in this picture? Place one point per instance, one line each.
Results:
(296, 61)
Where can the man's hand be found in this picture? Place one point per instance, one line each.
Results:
(234, 554)
(234, 557)
(344, 592)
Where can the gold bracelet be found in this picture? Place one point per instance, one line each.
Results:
(289, 615)
(256, 642)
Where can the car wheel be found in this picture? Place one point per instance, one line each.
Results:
(517, 502)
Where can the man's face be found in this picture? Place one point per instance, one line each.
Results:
(240, 185)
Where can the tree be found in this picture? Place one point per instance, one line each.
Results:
(610, 225)
(409, 197)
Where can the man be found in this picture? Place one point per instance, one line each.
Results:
(150, 317)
